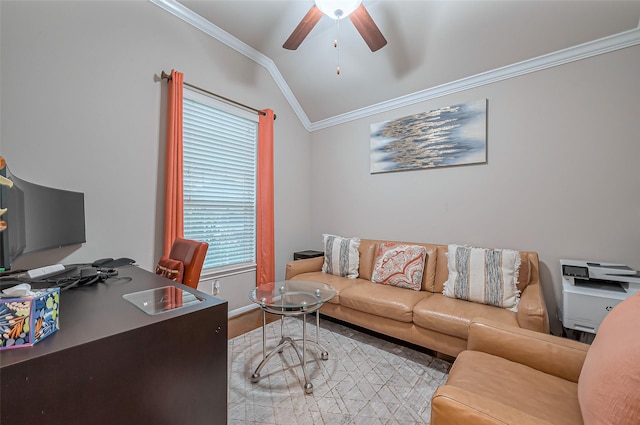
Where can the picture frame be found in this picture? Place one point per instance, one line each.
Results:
(448, 136)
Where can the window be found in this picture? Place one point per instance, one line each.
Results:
(220, 155)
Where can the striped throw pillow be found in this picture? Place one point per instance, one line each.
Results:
(341, 256)
(486, 276)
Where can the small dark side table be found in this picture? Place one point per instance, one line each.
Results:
(301, 255)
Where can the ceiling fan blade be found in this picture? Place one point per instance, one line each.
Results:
(367, 28)
(303, 29)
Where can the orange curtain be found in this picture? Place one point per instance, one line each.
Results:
(265, 272)
(173, 192)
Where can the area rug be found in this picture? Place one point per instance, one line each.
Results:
(365, 380)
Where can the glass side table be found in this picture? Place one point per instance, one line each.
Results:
(291, 298)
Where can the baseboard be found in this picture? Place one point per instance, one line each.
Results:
(242, 310)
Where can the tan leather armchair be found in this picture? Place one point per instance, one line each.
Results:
(485, 382)
(510, 375)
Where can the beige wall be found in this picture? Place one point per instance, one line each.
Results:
(561, 177)
(83, 109)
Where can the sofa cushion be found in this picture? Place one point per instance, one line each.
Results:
(399, 265)
(452, 316)
(341, 256)
(382, 300)
(549, 399)
(338, 283)
(482, 275)
(609, 384)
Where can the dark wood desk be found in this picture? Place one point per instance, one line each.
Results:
(111, 363)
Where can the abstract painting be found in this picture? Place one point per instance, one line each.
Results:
(452, 135)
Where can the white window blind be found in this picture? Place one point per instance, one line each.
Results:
(220, 154)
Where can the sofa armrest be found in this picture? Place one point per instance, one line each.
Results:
(557, 356)
(454, 406)
(532, 310)
(306, 265)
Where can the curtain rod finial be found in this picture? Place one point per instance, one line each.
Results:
(165, 76)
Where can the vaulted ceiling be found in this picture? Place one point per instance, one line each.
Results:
(434, 47)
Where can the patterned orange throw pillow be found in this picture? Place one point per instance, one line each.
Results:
(399, 265)
(170, 268)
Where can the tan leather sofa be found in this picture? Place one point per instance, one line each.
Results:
(426, 317)
(515, 376)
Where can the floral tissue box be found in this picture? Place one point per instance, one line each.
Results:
(28, 319)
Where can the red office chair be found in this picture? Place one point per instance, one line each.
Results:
(191, 254)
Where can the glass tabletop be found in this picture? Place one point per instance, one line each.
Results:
(292, 294)
(160, 300)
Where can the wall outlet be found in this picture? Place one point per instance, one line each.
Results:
(215, 287)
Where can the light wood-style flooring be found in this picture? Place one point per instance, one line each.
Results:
(247, 322)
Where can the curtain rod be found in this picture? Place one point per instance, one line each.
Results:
(167, 77)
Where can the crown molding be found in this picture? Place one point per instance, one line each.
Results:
(560, 57)
(187, 15)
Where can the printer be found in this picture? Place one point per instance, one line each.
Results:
(590, 289)
(594, 274)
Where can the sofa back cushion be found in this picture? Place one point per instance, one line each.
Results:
(524, 274)
(368, 249)
(367, 257)
(609, 384)
(442, 269)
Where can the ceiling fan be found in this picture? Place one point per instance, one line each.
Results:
(338, 9)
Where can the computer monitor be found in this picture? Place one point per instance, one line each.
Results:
(38, 218)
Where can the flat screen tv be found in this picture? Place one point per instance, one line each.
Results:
(38, 218)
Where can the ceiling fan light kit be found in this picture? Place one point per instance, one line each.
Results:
(338, 9)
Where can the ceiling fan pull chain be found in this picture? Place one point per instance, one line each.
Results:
(335, 44)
